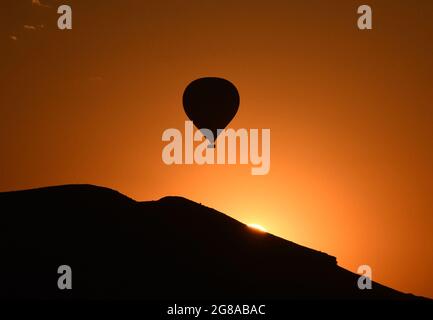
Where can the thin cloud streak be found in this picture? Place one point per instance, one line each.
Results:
(39, 4)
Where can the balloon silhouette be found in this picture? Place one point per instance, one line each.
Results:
(211, 103)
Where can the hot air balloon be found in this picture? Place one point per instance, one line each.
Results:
(211, 103)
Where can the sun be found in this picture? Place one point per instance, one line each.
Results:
(257, 227)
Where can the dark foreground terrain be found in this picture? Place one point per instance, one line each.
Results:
(172, 248)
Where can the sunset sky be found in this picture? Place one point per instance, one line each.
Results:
(350, 114)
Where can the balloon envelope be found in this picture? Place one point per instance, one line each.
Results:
(211, 103)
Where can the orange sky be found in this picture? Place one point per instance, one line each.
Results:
(350, 114)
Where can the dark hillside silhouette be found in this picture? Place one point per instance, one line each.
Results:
(172, 248)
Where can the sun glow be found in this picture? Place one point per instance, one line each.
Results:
(257, 227)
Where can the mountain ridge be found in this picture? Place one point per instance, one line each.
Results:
(170, 248)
